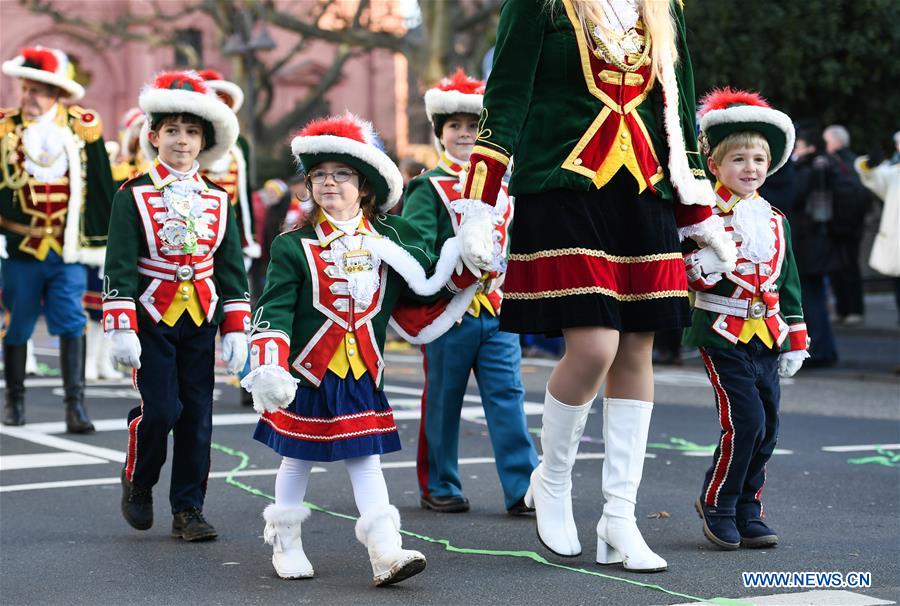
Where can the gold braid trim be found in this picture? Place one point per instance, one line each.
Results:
(7, 125)
(592, 290)
(561, 252)
(87, 125)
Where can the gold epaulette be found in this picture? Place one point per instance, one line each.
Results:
(86, 124)
(7, 124)
(121, 171)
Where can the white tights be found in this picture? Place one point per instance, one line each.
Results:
(369, 488)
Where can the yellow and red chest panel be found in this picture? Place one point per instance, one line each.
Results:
(227, 180)
(617, 137)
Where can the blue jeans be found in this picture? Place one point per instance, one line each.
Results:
(477, 344)
(815, 313)
(50, 285)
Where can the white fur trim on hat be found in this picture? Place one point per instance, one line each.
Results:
(366, 152)
(231, 89)
(16, 69)
(207, 106)
(755, 113)
(445, 102)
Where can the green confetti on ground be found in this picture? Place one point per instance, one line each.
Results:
(683, 445)
(530, 555)
(885, 458)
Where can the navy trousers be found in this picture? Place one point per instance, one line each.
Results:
(747, 392)
(176, 384)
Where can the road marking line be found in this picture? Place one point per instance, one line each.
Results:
(860, 447)
(48, 459)
(820, 597)
(261, 472)
(62, 443)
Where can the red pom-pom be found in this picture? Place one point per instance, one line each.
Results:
(42, 57)
(189, 81)
(462, 83)
(210, 74)
(348, 126)
(723, 98)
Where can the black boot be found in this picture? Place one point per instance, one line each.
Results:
(14, 373)
(71, 361)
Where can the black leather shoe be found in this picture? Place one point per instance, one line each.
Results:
(519, 508)
(137, 505)
(190, 525)
(459, 504)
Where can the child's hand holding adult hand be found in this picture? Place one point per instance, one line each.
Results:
(125, 349)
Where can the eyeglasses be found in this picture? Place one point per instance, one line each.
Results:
(342, 175)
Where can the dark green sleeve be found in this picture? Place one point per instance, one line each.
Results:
(419, 209)
(789, 298)
(520, 36)
(403, 233)
(123, 247)
(687, 98)
(278, 301)
(99, 195)
(229, 262)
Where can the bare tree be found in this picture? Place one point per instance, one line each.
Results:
(442, 35)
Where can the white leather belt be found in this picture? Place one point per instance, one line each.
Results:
(742, 308)
(164, 270)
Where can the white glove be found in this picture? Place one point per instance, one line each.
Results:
(725, 249)
(790, 362)
(125, 348)
(476, 243)
(3, 253)
(710, 263)
(272, 388)
(234, 351)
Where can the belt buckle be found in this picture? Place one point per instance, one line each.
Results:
(757, 310)
(184, 272)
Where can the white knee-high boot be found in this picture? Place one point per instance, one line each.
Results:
(626, 424)
(550, 492)
(283, 534)
(379, 531)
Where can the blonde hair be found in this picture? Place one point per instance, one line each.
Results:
(739, 140)
(656, 14)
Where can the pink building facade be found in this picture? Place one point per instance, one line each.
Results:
(372, 85)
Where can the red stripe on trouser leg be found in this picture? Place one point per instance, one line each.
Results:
(758, 495)
(132, 445)
(422, 450)
(726, 442)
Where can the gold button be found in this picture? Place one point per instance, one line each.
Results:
(623, 147)
(659, 170)
(351, 340)
(577, 161)
(185, 298)
(624, 135)
(48, 230)
(350, 352)
(184, 289)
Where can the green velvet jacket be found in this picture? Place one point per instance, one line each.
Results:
(538, 105)
(91, 212)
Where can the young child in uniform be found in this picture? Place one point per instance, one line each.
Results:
(747, 323)
(476, 344)
(174, 275)
(331, 287)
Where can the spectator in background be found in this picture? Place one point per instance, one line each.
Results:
(883, 179)
(851, 203)
(813, 245)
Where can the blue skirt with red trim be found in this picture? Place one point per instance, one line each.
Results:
(341, 419)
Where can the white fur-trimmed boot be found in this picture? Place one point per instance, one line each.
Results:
(379, 531)
(550, 492)
(283, 534)
(626, 424)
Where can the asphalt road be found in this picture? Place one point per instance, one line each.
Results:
(832, 493)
